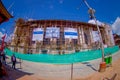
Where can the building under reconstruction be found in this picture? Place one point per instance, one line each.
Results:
(58, 36)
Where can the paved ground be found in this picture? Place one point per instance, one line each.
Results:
(40, 71)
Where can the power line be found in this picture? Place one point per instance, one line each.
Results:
(10, 6)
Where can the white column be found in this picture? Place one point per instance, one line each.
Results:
(83, 37)
(91, 36)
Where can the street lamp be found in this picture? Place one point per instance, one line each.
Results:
(91, 12)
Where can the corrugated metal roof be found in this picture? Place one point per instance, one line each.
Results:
(4, 14)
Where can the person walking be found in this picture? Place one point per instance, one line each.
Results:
(4, 57)
(13, 59)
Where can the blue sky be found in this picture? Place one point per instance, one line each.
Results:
(106, 10)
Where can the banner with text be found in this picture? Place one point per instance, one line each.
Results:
(37, 34)
(71, 33)
(95, 36)
(52, 32)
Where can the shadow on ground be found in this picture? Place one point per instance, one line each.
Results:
(14, 74)
(90, 65)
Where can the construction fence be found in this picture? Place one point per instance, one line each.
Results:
(63, 58)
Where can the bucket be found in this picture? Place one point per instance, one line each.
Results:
(107, 60)
(102, 67)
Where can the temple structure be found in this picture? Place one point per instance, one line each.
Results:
(58, 36)
(4, 14)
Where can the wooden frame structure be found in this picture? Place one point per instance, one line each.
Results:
(23, 36)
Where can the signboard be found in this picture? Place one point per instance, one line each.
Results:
(52, 32)
(95, 36)
(70, 33)
(37, 34)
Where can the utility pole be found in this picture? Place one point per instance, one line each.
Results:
(72, 71)
(91, 12)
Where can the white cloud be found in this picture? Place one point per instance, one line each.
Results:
(1, 34)
(3, 29)
(7, 38)
(93, 22)
(116, 26)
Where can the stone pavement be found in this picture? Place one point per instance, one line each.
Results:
(63, 72)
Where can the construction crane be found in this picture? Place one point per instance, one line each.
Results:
(91, 12)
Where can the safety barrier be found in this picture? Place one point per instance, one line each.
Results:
(64, 58)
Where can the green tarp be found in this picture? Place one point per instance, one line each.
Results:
(65, 58)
